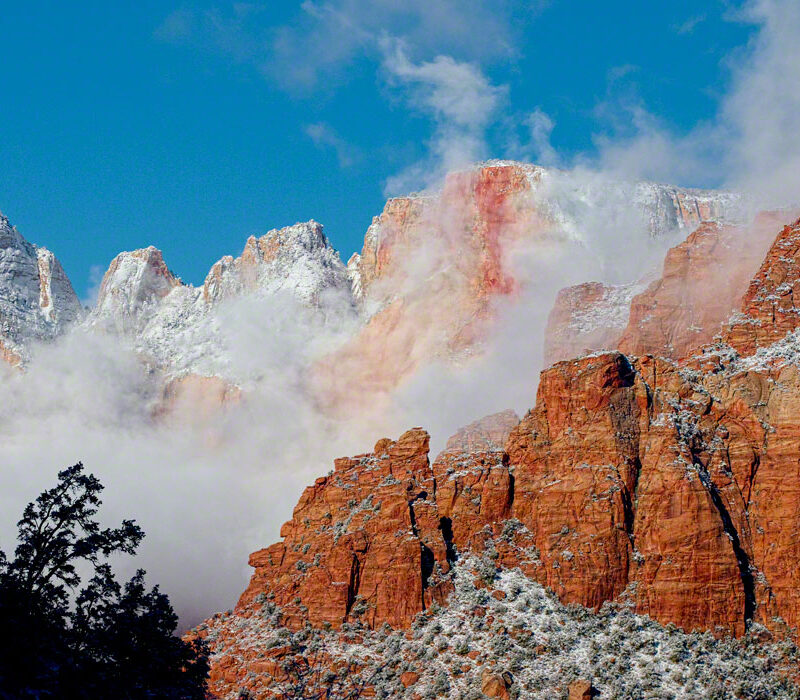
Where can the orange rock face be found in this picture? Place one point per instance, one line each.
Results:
(768, 309)
(364, 542)
(473, 481)
(701, 285)
(673, 486)
(587, 317)
(633, 479)
(575, 459)
(699, 288)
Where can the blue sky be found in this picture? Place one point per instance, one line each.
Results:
(191, 126)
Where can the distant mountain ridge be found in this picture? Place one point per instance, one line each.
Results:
(465, 233)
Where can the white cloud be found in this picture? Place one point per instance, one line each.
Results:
(761, 116)
(690, 24)
(324, 38)
(324, 135)
(208, 486)
(327, 36)
(461, 101)
(751, 143)
(535, 146)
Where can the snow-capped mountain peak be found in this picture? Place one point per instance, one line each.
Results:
(296, 258)
(134, 284)
(37, 301)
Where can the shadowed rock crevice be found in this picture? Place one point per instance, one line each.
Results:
(427, 561)
(629, 499)
(353, 585)
(413, 518)
(748, 582)
(427, 558)
(446, 526)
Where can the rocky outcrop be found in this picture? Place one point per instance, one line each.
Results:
(184, 330)
(428, 273)
(132, 288)
(673, 486)
(37, 302)
(672, 208)
(296, 259)
(701, 285)
(769, 310)
(587, 317)
(629, 480)
(575, 464)
(364, 542)
(698, 289)
(581, 690)
(473, 481)
(665, 485)
(394, 232)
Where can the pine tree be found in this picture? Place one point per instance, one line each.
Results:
(63, 638)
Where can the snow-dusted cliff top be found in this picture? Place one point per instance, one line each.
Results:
(37, 301)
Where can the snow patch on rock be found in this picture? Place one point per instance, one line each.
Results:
(513, 628)
(37, 302)
(179, 328)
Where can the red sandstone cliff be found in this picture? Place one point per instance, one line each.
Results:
(433, 268)
(672, 485)
(701, 285)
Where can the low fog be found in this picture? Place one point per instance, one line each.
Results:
(210, 488)
(211, 485)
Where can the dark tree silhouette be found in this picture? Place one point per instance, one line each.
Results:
(63, 639)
